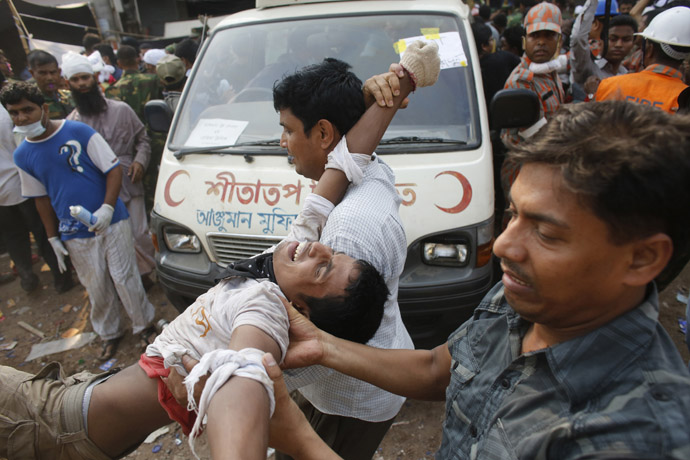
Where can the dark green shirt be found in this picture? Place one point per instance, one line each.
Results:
(135, 89)
(60, 105)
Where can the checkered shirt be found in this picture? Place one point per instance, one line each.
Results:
(365, 225)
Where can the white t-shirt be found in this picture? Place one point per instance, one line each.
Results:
(10, 185)
(208, 323)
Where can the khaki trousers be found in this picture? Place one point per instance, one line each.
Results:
(41, 415)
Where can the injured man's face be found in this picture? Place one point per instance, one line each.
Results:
(312, 270)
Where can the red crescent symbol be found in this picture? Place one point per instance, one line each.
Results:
(166, 193)
(466, 193)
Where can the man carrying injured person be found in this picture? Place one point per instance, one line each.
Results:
(228, 329)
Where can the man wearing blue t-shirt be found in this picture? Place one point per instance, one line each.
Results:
(66, 163)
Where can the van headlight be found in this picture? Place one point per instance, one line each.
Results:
(445, 254)
(455, 249)
(181, 240)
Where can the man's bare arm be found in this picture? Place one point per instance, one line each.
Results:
(290, 432)
(47, 214)
(364, 137)
(418, 374)
(113, 182)
(238, 414)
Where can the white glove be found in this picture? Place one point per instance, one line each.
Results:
(422, 62)
(60, 252)
(103, 216)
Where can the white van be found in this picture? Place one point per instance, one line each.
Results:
(227, 191)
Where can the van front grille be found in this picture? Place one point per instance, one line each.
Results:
(228, 248)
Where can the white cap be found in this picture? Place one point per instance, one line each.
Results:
(73, 63)
(152, 56)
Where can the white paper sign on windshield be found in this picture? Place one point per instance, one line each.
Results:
(450, 48)
(210, 132)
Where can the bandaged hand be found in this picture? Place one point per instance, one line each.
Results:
(103, 216)
(60, 252)
(422, 62)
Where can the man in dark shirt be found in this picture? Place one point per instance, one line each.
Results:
(497, 65)
(565, 358)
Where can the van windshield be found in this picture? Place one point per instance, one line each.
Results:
(230, 99)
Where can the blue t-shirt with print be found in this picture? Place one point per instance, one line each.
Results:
(62, 163)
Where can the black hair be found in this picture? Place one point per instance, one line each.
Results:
(500, 21)
(482, 35)
(513, 36)
(636, 185)
(328, 90)
(15, 92)
(623, 20)
(131, 41)
(37, 58)
(357, 315)
(662, 58)
(90, 40)
(187, 49)
(485, 12)
(127, 55)
(106, 50)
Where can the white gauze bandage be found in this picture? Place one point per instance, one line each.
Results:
(352, 164)
(223, 364)
(558, 64)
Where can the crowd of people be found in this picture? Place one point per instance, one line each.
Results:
(564, 358)
(107, 91)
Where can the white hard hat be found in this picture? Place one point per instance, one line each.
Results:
(671, 27)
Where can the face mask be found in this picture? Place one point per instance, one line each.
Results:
(32, 130)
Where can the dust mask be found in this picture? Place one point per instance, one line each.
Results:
(32, 130)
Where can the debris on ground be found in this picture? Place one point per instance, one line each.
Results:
(57, 346)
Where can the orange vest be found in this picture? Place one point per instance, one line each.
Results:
(657, 86)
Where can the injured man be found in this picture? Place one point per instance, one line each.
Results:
(228, 329)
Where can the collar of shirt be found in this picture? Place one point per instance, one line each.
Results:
(665, 70)
(603, 64)
(572, 363)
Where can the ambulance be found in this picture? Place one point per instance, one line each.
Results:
(227, 191)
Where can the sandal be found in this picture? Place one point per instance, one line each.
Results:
(147, 336)
(109, 349)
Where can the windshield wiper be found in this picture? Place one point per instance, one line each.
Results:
(192, 150)
(420, 140)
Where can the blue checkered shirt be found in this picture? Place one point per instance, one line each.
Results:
(621, 391)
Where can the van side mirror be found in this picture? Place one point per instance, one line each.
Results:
(513, 108)
(158, 115)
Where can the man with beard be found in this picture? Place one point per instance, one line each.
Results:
(46, 72)
(63, 164)
(126, 135)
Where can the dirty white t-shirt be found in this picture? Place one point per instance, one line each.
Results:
(207, 324)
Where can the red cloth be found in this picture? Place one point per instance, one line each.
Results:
(154, 368)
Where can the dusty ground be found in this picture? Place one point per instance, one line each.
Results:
(416, 434)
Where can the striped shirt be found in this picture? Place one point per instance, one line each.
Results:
(365, 225)
(547, 87)
(620, 391)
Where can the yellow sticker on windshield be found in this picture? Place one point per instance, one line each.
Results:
(430, 33)
(400, 46)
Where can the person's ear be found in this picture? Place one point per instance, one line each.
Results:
(31, 71)
(650, 256)
(326, 132)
